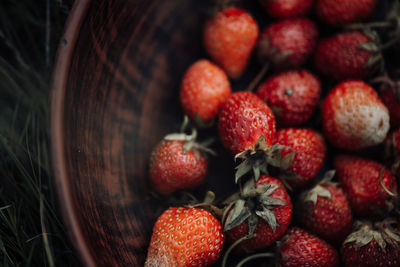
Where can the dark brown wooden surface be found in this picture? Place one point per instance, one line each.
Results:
(115, 95)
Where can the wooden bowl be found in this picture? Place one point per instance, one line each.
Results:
(115, 95)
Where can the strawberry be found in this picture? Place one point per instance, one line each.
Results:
(203, 90)
(184, 237)
(309, 151)
(392, 103)
(292, 96)
(247, 128)
(299, 248)
(354, 117)
(372, 246)
(389, 92)
(368, 185)
(243, 119)
(263, 210)
(392, 151)
(229, 38)
(177, 163)
(283, 9)
(325, 211)
(340, 12)
(349, 55)
(288, 43)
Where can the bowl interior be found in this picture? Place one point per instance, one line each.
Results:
(119, 97)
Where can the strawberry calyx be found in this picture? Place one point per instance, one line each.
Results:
(260, 156)
(391, 26)
(252, 203)
(208, 205)
(269, 53)
(381, 232)
(190, 140)
(375, 61)
(318, 190)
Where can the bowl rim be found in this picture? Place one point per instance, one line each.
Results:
(58, 88)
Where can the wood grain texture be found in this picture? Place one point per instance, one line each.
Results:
(115, 94)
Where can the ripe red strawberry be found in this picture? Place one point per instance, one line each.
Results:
(349, 55)
(288, 43)
(340, 12)
(292, 96)
(393, 105)
(309, 151)
(367, 184)
(246, 128)
(392, 151)
(184, 237)
(229, 38)
(392, 142)
(243, 119)
(283, 9)
(266, 214)
(176, 164)
(203, 90)
(389, 93)
(299, 248)
(370, 246)
(354, 117)
(325, 211)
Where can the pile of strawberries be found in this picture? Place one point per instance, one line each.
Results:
(281, 212)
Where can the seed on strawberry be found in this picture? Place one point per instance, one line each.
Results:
(288, 43)
(204, 88)
(325, 211)
(283, 9)
(299, 248)
(372, 246)
(309, 151)
(349, 55)
(368, 185)
(354, 117)
(177, 163)
(340, 12)
(292, 96)
(184, 237)
(229, 38)
(262, 209)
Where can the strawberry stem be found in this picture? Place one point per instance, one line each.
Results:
(390, 193)
(231, 247)
(362, 26)
(185, 124)
(258, 78)
(255, 256)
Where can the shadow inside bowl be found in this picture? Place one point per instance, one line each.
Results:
(118, 100)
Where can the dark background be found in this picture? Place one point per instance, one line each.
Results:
(31, 229)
